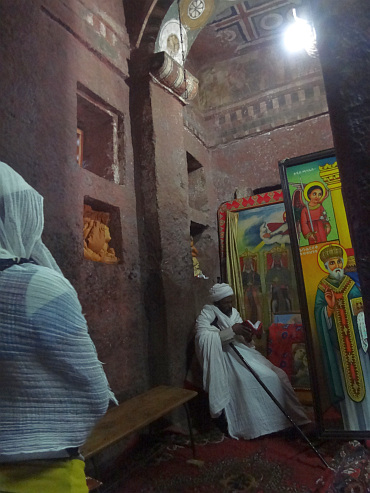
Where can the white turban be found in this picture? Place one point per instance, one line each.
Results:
(220, 291)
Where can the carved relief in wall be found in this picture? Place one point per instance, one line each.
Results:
(97, 236)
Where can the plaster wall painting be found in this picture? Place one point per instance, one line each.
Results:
(268, 291)
(330, 294)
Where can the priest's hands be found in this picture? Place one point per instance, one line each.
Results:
(243, 330)
(330, 300)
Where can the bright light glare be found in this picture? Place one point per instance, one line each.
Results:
(299, 36)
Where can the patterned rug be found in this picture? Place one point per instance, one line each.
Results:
(274, 464)
(352, 466)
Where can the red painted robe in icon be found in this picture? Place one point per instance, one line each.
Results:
(319, 223)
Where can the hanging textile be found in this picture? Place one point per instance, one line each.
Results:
(234, 276)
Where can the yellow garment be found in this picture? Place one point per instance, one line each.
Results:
(44, 476)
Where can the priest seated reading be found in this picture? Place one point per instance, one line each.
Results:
(233, 391)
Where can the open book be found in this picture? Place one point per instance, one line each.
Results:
(256, 327)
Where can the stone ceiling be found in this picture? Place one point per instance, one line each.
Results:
(215, 30)
(248, 82)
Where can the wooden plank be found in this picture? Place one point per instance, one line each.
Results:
(134, 414)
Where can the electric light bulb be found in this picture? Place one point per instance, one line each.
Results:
(300, 35)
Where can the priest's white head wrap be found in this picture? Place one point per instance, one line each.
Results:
(220, 291)
(21, 220)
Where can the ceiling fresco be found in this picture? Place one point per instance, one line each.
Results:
(248, 83)
(227, 27)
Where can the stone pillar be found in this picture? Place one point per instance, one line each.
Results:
(343, 29)
(164, 222)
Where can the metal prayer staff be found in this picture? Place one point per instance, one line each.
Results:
(280, 407)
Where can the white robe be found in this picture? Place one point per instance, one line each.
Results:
(249, 410)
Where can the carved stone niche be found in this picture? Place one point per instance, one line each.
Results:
(100, 135)
(101, 232)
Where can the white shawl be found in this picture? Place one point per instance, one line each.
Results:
(211, 356)
(53, 388)
(21, 220)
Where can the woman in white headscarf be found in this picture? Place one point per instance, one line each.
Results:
(231, 388)
(53, 388)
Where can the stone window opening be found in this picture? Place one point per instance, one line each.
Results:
(197, 185)
(100, 136)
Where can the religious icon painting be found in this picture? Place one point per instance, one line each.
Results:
(329, 294)
(311, 194)
(257, 260)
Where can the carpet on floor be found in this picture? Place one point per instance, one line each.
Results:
(281, 463)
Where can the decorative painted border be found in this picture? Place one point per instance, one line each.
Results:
(238, 205)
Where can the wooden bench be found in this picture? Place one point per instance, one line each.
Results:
(134, 414)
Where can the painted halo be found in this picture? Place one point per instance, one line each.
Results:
(317, 184)
(321, 263)
(172, 42)
(194, 14)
